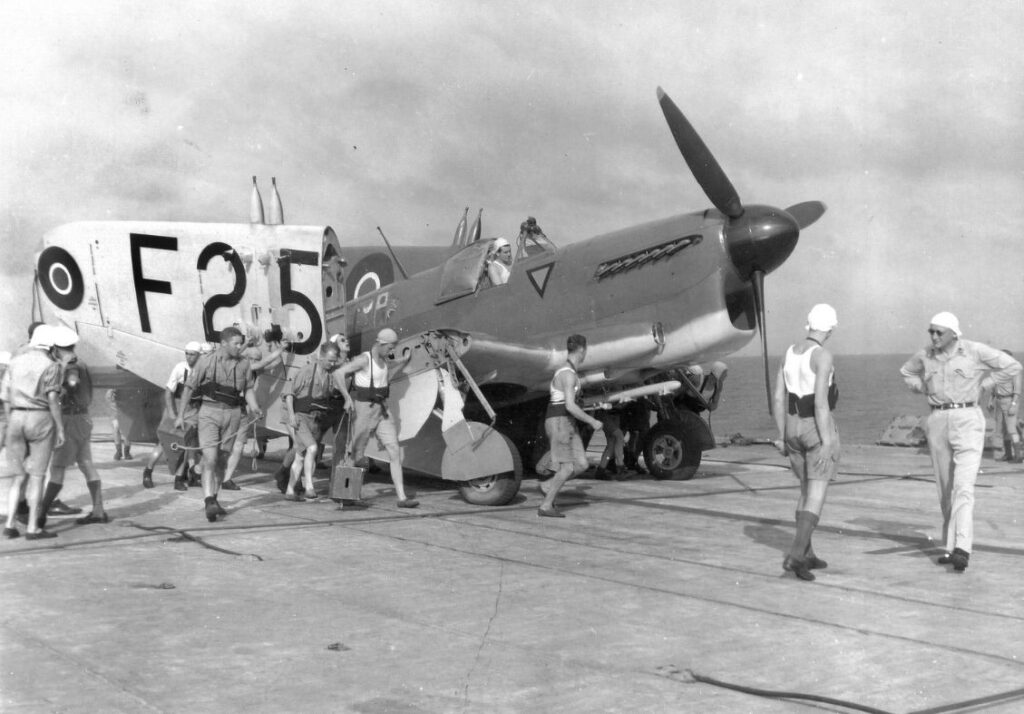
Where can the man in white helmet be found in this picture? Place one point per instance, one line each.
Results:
(499, 261)
(950, 372)
(372, 372)
(31, 395)
(76, 397)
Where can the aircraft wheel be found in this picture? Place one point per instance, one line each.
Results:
(671, 453)
(496, 490)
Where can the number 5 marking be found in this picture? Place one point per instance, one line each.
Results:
(294, 297)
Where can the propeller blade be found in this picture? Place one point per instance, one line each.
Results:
(705, 169)
(757, 282)
(806, 213)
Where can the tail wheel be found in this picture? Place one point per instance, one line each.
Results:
(670, 452)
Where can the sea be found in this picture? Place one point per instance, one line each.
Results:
(871, 394)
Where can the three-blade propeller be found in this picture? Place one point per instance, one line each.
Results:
(759, 238)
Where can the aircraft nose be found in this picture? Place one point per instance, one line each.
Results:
(761, 239)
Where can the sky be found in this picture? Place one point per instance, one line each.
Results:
(903, 118)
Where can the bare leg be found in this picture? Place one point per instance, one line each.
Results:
(234, 458)
(397, 477)
(309, 463)
(211, 485)
(564, 473)
(294, 474)
(13, 497)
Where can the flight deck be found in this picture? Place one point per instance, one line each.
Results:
(650, 596)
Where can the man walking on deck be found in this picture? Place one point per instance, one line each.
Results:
(950, 373)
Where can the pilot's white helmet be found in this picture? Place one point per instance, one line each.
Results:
(499, 243)
(42, 337)
(193, 346)
(64, 337)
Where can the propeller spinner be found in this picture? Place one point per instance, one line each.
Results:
(759, 238)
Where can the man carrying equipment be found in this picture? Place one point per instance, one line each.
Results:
(372, 373)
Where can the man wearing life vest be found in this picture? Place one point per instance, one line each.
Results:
(368, 403)
(307, 401)
(225, 380)
(568, 455)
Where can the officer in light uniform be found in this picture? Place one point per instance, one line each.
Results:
(225, 380)
(31, 395)
(950, 373)
(370, 415)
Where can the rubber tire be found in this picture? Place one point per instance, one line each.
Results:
(496, 490)
(671, 453)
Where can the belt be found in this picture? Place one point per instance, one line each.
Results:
(953, 405)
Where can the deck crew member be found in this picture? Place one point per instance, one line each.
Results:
(225, 381)
(369, 411)
(31, 395)
(805, 395)
(76, 397)
(1003, 402)
(568, 455)
(177, 461)
(328, 420)
(307, 401)
(122, 442)
(950, 373)
(258, 363)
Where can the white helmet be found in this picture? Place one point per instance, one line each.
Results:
(64, 337)
(42, 337)
(193, 346)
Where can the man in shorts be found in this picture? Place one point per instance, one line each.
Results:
(306, 399)
(31, 395)
(372, 372)
(568, 455)
(76, 397)
(225, 381)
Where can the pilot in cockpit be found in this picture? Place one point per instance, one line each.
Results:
(499, 261)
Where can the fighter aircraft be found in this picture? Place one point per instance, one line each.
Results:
(651, 299)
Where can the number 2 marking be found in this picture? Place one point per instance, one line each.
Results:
(223, 300)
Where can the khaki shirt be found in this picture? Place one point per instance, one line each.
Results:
(956, 376)
(31, 375)
(218, 367)
(311, 375)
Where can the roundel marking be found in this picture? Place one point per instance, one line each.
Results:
(371, 273)
(61, 278)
